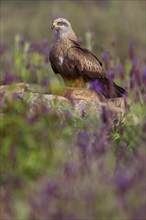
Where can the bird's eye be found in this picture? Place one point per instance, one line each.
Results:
(61, 23)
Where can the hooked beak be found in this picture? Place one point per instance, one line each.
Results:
(54, 25)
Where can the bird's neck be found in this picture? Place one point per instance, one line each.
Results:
(66, 35)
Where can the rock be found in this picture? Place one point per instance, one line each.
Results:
(90, 96)
(18, 89)
(77, 101)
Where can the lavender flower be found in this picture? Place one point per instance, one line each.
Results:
(21, 41)
(144, 76)
(121, 71)
(106, 59)
(111, 74)
(83, 141)
(9, 78)
(97, 87)
(123, 180)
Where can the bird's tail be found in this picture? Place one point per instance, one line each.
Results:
(108, 89)
(119, 91)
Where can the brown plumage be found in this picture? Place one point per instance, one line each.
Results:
(74, 62)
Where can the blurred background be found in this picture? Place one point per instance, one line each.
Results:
(116, 22)
(63, 166)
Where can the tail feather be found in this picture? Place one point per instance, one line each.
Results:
(119, 90)
(108, 89)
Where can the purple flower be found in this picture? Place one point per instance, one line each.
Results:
(31, 119)
(123, 180)
(134, 74)
(44, 109)
(135, 78)
(46, 82)
(98, 146)
(144, 76)
(51, 189)
(69, 170)
(16, 96)
(121, 71)
(111, 74)
(134, 67)
(21, 41)
(106, 59)
(96, 86)
(8, 78)
(83, 141)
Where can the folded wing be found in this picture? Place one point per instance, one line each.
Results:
(86, 63)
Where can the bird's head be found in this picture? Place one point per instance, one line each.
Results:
(63, 27)
(61, 24)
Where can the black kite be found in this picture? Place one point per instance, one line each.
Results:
(73, 62)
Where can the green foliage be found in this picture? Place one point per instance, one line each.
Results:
(24, 152)
(39, 143)
(64, 166)
(21, 59)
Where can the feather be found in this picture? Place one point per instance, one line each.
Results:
(72, 61)
(85, 62)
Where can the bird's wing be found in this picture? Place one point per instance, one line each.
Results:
(51, 58)
(86, 63)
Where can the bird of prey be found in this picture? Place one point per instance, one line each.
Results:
(74, 62)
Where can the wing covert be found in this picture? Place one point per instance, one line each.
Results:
(85, 62)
